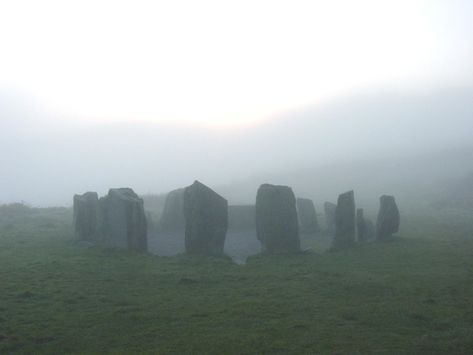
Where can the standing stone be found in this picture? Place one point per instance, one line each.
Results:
(307, 216)
(345, 221)
(85, 216)
(388, 218)
(276, 219)
(241, 217)
(206, 216)
(123, 220)
(329, 209)
(172, 218)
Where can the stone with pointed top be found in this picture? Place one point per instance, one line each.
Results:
(206, 217)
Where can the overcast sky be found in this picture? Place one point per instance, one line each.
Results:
(225, 62)
(154, 94)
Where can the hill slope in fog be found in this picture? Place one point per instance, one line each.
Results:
(52, 159)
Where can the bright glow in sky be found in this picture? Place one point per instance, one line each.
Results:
(222, 62)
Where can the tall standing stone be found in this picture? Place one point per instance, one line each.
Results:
(388, 218)
(276, 219)
(206, 216)
(345, 225)
(329, 209)
(123, 220)
(85, 216)
(307, 216)
(172, 218)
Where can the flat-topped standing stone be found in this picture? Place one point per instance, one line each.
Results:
(388, 218)
(307, 216)
(277, 227)
(206, 216)
(345, 221)
(172, 218)
(85, 216)
(123, 220)
(329, 209)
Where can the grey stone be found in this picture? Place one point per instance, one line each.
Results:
(277, 227)
(345, 225)
(85, 216)
(123, 220)
(206, 216)
(307, 216)
(329, 210)
(241, 217)
(172, 217)
(388, 218)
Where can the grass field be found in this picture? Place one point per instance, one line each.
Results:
(413, 294)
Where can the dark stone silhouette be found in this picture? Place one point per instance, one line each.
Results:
(276, 219)
(206, 216)
(123, 220)
(345, 221)
(85, 216)
(388, 218)
(329, 209)
(307, 216)
(172, 218)
(241, 217)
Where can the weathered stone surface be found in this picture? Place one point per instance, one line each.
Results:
(241, 217)
(388, 218)
(172, 218)
(307, 216)
(123, 220)
(85, 216)
(329, 210)
(345, 221)
(206, 216)
(277, 227)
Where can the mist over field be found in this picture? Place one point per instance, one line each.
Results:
(236, 177)
(370, 142)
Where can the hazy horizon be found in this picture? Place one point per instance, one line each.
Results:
(104, 94)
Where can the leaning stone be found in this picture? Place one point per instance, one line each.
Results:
(206, 216)
(172, 218)
(123, 220)
(329, 209)
(276, 219)
(85, 216)
(241, 217)
(307, 216)
(345, 221)
(388, 218)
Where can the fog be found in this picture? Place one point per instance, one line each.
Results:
(323, 96)
(374, 142)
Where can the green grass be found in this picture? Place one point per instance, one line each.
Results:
(413, 295)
